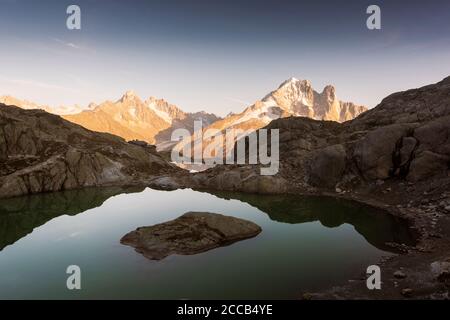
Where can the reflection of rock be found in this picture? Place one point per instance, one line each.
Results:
(19, 216)
(192, 233)
(376, 227)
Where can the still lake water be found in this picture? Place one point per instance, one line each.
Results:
(306, 244)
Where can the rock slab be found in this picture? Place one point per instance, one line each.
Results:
(191, 233)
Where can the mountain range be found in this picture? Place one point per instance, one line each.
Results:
(153, 120)
(293, 98)
(131, 118)
(28, 105)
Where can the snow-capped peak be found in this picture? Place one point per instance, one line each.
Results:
(163, 114)
(296, 98)
(129, 95)
(289, 82)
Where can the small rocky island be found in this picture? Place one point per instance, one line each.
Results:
(191, 233)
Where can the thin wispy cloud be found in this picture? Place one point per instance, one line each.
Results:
(34, 83)
(238, 101)
(67, 44)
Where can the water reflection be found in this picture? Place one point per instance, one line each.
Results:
(376, 226)
(20, 216)
(293, 252)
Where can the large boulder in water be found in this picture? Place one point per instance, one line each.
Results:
(192, 233)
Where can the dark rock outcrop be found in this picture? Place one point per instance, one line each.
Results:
(41, 152)
(192, 233)
(406, 137)
(327, 165)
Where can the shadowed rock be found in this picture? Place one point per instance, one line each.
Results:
(192, 233)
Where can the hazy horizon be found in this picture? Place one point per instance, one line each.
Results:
(206, 55)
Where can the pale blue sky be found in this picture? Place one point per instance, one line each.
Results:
(219, 56)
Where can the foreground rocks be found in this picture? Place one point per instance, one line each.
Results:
(192, 233)
(41, 152)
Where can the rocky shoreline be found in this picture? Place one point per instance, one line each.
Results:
(418, 272)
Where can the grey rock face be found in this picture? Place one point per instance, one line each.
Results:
(441, 270)
(192, 233)
(236, 178)
(373, 153)
(41, 152)
(427, 164)
(327, 166)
